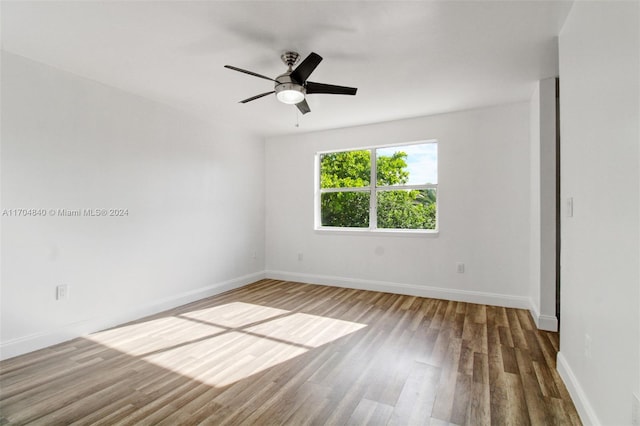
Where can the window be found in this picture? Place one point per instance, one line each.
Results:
(383, 188)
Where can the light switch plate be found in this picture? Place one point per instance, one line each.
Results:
(570, 207)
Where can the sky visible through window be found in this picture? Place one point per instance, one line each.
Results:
(422, 161)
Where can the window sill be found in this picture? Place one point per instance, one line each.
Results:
(419, 233)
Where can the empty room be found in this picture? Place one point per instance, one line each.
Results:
(320, 212)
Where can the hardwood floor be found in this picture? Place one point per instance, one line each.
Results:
(279, 352)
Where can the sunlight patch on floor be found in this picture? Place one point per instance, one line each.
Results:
(154, 335)
(223, 344)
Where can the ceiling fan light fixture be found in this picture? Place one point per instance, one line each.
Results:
(290, 93)
(290, 97)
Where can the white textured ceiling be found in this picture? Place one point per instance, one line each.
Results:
(406, 58)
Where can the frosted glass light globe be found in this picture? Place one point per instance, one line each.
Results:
(290, 96)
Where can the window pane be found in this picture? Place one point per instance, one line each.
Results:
(410, 209)
(351, 169)
(345, 209)
(407, 165)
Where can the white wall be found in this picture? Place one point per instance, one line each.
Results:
(483, 211)
(600, 277)
(542, 131)
(194, 192)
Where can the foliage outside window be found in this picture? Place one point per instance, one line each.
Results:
(393, 187)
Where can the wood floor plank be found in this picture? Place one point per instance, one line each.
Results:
(499, 401)
(509, 362)
(504, 333)
(545, 380)
(480, 406)
(536, 407)
(280, 352)
(312, 406)
(415, 403)
(515, 327)
(443, 404)
(517, 413)
(480, 369)
(460, 412)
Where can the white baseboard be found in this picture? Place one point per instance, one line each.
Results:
(543, 322)
(25, 344)
(547, 322)
(580, 400)
(495, 299)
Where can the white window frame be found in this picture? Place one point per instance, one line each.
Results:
(373, 190)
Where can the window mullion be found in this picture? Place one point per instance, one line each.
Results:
(373, 198)
(406, 187)
(345, 189)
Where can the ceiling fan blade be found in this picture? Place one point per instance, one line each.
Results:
(253, 98)
(248, 72)
(329, 89)
(306, 67)
(303, 106)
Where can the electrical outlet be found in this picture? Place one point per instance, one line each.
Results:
(587, 346)
(635, 410)
(300, 257)
(62, 292)
(460, 267)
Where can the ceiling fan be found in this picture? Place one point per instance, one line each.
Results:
(292, 86)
